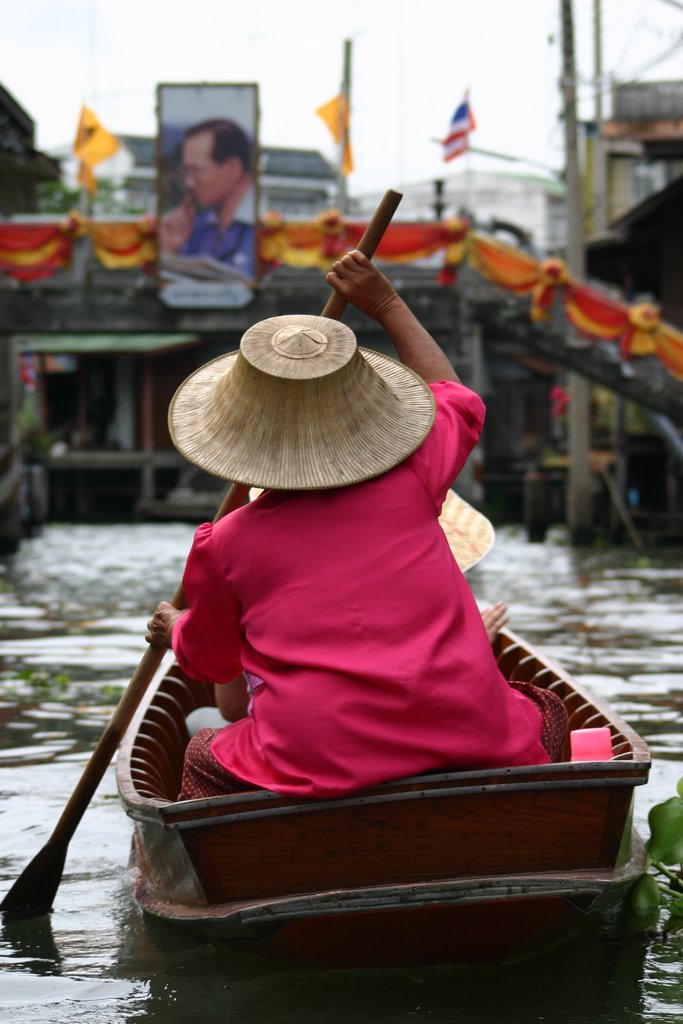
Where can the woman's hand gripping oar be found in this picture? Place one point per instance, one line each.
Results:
(34, 891)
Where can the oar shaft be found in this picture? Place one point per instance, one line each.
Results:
(121, 718)
(34, 890)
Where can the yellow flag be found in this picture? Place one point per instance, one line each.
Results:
(93, 144)
(335, 114)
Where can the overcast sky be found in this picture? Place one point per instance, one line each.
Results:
(411, 62)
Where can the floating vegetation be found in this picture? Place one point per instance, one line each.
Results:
(35, 683)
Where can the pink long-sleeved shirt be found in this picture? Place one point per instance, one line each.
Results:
(370, 658)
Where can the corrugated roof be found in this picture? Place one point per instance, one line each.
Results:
(274, 160)
(101, 344)
(295, 163)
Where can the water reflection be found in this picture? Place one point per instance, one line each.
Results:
(33, 945)
(73, 604)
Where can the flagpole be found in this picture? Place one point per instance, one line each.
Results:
(469, 184)
(93, 144)
(344, 117)
(469, 169)
(456, 143)
(80, 267)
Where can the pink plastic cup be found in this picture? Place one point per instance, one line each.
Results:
(591, 744)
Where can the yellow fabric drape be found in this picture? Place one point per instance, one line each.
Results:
(49, 252)
(123, 245)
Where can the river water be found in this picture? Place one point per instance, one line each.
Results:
(73, 607)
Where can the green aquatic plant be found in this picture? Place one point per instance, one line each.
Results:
(51, 684)
(659, 891)
(41, 684)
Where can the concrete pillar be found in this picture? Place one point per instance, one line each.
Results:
(536, 505)
(469, 483)
(124, 410)
(148, 476)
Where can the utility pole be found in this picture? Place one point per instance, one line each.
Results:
(344, 115)
(579, 491)
(439, 204)
(600, 219)
(599, 163)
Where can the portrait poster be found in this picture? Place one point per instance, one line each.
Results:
(207, 193)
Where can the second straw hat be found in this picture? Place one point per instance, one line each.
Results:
(300, 407)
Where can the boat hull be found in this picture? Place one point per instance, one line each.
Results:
(472, 921)
(456, 867)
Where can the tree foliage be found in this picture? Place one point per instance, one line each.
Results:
(111, 198)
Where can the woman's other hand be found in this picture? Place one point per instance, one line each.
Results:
(494, 619)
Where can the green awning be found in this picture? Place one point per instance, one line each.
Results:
(104, 344)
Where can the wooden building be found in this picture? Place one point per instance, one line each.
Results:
(643, 253)
(22, 166)
(102, 402)
(642, 257)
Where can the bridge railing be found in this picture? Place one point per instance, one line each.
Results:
(31, 252)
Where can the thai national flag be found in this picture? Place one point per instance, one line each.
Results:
(462, 124)
(28, 372)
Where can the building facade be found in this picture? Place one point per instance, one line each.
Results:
(533, 205)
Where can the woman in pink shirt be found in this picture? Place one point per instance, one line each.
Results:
(337, 608)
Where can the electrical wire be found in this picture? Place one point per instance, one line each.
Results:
(632, 76)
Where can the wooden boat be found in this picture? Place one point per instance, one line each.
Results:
(455, 867)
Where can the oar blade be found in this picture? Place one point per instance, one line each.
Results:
(34, 891)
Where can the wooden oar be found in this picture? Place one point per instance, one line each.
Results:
(34, 891)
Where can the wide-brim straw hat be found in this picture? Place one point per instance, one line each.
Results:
(300, 407)
(469, 533)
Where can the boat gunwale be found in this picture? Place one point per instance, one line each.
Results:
(210, 806)
(587, 774)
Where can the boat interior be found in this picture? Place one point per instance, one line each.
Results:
(156, 755)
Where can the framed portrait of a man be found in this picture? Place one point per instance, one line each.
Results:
(207, 184)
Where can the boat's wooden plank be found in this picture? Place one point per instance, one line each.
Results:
(504, 833)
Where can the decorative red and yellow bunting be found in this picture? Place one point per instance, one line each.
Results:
(31, 252)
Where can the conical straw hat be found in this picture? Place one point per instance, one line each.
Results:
(300, 407)
(470, 535)
(468, 532)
